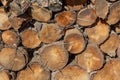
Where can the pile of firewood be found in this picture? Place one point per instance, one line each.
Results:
(59, 40)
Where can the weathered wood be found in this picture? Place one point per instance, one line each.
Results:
(34, 72)
(98, 33)
(91, 59)
(10, 37)
(72, 73)
(13, 59)
(40, 14)
(65, 18)
(74, 41)
(30, 38)
(111, 71)
(110, 46)
(16, 22)
(19, 7)
(114, 14)
(86, 17)
(4, 21)
(50, 33)
(74, 4)
(101, 7)
(53, 56)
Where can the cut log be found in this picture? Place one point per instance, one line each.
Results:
(74, 41)
(19, 7)
(13, 59)
(55, 5)
(72, 73)
(74, 4)
(4, 21)
(43, 3)
(40, 14)
(99, 33)
(9, 37)
(101, 7)
(4, 75)
(65, 18)
(53, 56)
(111, 71)
(34, 72)
(50, 33)
(91, 59)
(114, 15)
(30, 38)
(110, 46)
(16, 22)
(86, 17)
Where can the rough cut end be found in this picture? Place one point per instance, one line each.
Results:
(111, 71)
(86, 17)
(114, 15)
(12, 59)
(50, 33)
(91, 59)
(34, 72)
(72, 72)
(10, 37)
(74, 41)
(65, 18)
(40, 14)
(99, 33)
(30, 39)
(54, 56)
(111, 44)
(4, 21)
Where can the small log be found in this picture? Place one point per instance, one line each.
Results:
(19, 7)
(65, 18)
(4, 75)
(91, 59)
(34, 72)
(86, 17)
(40, 14)
(99, 33)
(50, 33)
(74, 41)
(16, 22)
(74, 4)
(110, 71)
(101, 7)
(30, 38)
(72, 73)
(10, 37)
(13, 59)
(53, 56)
(114, 14)
(110, 46)
(55, 5)
(4, 21)
(43, 3)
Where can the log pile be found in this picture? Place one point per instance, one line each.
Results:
(59, 40)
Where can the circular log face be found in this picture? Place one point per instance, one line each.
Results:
(54, 56)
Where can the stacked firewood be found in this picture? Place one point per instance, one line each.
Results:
(59, 40)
